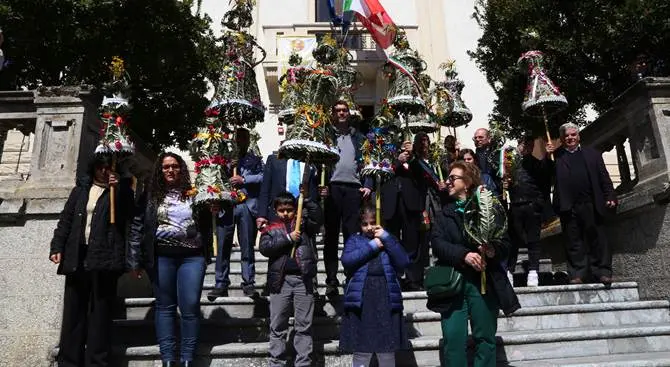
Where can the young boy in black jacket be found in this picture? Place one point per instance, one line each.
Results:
(291, 269)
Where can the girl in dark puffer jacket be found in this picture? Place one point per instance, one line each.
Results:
(373, 321)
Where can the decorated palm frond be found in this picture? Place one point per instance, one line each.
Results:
(240, 15)
(114, 113)
(322, 87)
(485, 218)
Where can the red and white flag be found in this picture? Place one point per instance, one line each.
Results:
(373, 16)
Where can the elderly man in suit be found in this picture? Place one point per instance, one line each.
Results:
(583, 196)
(248, 169)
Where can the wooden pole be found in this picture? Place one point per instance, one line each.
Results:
(378, 201)
(484, 277)
(546, 129)
(112, 195)
(323, 183)
(301, 199)
(215, 236)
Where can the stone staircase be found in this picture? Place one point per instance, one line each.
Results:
(558, 325)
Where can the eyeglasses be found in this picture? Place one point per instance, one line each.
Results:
(341, 110)
(453, 178)
(174, 167)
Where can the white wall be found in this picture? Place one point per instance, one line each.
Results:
(403, 12)
(281, 12)
(462, 35)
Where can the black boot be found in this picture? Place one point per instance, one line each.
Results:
(170, 364)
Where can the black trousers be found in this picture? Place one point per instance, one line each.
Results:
(87, 319)
(406, 226)
(342, 209)
(525, 226)
(587, 247)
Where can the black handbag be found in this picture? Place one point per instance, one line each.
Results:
(442, 282)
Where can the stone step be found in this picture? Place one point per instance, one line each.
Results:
(413, 302)
(261, 265)
(236, 254)
(424, 351)
(139, 332)
(655, 359)
(261, 276)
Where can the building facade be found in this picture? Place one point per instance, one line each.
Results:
(437, 29)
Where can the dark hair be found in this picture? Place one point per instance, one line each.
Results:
(463, 152)
(417, 140)
(340, 102)
(471, 174)
(157, 185)
(96, 161)
(284, 198)
(450, 143)
(368, 208)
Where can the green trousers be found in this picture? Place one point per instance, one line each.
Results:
(482, 311)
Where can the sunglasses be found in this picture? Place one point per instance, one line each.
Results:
(175, 167)
(453, 178)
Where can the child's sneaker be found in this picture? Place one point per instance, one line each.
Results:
(533, 280)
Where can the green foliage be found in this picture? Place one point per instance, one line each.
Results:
(592, 49)
(168, 51)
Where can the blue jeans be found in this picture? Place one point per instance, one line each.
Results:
(246, 238)
(178, 280)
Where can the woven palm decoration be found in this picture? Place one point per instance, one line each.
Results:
(380, 146)
(460, 113)
(403, 94)
(211, 149)
(542, 96)
(441, 101)
(311, 137)
(114, 115)
(292, 85)
(349, 80)
(419, 122)
(237, 99)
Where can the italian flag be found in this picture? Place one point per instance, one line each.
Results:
(382, 29)
(373, 16)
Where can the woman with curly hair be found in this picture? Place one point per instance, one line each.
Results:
(170, 238)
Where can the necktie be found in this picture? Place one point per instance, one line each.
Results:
(294, 178)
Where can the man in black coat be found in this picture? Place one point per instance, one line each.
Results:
(529, 187)
(583, 197)
(403, 203)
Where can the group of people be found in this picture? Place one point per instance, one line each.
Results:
(169, 239)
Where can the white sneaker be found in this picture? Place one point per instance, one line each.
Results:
(532, 280)
(510, 276)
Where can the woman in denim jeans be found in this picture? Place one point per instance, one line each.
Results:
(170, 238)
